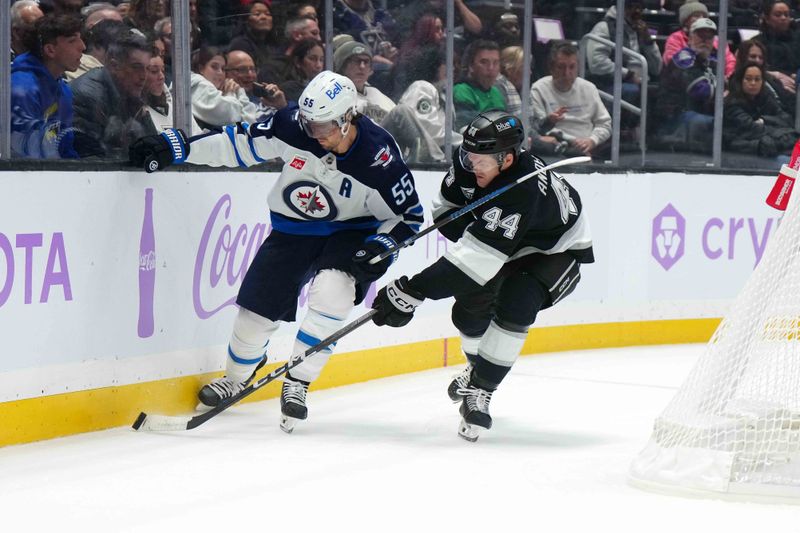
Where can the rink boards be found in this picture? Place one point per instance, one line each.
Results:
(108, 307)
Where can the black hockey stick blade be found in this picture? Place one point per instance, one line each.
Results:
(147, 422)
(477, 203)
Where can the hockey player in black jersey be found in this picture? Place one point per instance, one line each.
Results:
(514, 256)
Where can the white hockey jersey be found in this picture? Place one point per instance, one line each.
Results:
(319, 192)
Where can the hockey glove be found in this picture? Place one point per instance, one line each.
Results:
(374, 246)
(396, 303)
(156, 152)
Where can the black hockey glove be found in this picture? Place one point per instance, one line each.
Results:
(156, 152)
(396, 303)
(374, 246)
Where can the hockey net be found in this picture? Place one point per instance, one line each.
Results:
(734, 425)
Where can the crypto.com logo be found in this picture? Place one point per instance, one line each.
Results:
(669, 235)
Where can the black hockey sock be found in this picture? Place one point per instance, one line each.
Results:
(487, 375)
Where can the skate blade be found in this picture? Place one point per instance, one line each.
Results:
(469, 432)
(202, 408)
(288, 423)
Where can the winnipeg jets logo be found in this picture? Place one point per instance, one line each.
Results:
(383, 157)
(310, 201)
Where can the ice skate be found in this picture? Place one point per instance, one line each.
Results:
(460, 381)
(474, 412)
(293, 403)
(223, 389)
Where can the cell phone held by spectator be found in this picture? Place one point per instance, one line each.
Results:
(261, 91)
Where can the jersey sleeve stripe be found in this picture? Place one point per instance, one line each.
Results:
(477, 260)
(229, 131)
(244, 129)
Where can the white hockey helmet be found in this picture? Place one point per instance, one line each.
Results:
(327, 102)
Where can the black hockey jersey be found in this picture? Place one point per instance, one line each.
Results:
(541, 215)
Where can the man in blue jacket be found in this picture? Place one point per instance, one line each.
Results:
(41, 101)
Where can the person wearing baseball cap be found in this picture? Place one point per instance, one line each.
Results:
(688, 13)
(685, 103)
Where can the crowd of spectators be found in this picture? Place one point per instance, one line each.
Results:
(90, 77)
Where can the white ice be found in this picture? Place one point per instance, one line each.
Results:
(384, 456)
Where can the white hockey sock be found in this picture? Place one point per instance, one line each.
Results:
(314, 328)
(469, 345)
(501, 346)
(248, 344)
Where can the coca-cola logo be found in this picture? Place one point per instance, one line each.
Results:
(147, 261)
(223, 257)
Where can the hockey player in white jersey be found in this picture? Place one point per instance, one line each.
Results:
(344, 196)
(515, 255)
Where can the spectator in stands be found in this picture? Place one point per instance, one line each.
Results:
(754, 121)
(41, 102)
(369, 25)
(144, 14)
(303, 10)
(300, 29)
(417, 123)
(24, 13)
(743, 13)
(239, 67)
(687, 14)
(567, 110)
(637, 37)
(354, 60)
(507, 32)
(217, 101)
(421, 54)
(509, 82)
(782, 40)
(477, 93)
(109, 111)
(94, 13)
(97, 38)
(162, 45)
(307, 60)
(296, 30)
(411, 11)
(195, 34)
(756, 52)
(162, 30)
(61, 6)
(257, 37)
(157, 98)
(124, 8)
(685, 104)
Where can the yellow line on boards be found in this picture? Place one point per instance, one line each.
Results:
(78, 412)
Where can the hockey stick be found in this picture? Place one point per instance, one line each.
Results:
(179, 423)
(477, 203)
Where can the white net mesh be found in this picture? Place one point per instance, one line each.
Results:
(734, 425)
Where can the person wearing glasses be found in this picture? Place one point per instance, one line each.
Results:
(241, 69)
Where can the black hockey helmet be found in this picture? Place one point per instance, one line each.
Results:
(493, 133)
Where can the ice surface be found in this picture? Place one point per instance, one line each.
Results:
(384, 456)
